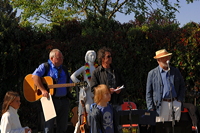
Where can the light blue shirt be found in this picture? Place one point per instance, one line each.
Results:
(167, 83)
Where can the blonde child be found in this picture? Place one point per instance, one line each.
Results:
(103, 117)
(10, 122)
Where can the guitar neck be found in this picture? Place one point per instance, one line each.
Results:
(62, 85)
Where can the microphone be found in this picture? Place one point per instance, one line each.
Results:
(168, 64)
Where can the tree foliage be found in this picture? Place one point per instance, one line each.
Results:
(59, 10)
(5, 7)
(9, 49)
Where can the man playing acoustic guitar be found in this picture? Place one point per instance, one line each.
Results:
(60, 100)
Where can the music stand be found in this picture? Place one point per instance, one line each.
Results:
(124, 117)
(138, 116)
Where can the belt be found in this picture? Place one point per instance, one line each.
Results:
(169, 100)
(62, 97)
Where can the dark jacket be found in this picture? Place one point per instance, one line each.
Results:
(99, 76)
(96, 120)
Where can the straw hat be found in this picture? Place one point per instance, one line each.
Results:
(161, 53)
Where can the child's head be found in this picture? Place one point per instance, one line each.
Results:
(102, 93)
(11, 99)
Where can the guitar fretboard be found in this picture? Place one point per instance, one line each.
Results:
(61, 85)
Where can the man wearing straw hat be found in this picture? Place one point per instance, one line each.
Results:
(165, 89)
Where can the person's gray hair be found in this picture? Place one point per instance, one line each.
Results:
(53, 53)
(87, 53)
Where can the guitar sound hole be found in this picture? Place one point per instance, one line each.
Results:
(39, 92)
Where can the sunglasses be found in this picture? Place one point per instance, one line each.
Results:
(109, 56)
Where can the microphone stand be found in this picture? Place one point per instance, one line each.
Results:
(130, 117)
(173, 112)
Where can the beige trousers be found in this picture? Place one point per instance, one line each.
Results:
(166, 111)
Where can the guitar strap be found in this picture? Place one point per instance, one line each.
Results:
(46, 65)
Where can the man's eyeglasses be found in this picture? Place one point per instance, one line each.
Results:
(109, 56)
(58, 57)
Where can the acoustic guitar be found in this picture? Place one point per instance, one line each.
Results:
(84, 125)
(74, 118)
(32, 93)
